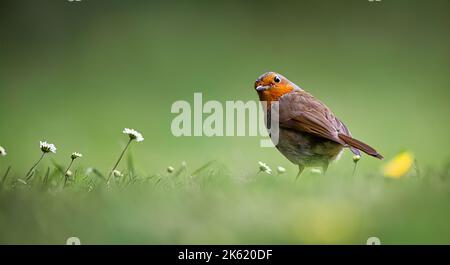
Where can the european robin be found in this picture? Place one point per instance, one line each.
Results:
(310, 135)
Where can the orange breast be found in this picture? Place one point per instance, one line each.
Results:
(274, 94)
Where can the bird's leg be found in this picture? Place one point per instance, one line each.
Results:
(300, 170)
(325, 168)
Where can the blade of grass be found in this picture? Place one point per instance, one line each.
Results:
(99, 174)
(6, 175)
(205, 166)
(46, 176)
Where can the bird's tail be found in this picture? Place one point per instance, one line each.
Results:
(360, 145)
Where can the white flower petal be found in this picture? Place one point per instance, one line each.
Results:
(265, 168)
(76, 155)
(281, 170)
(47, 147)
(117, 173)
(2, 151)
(133, 134)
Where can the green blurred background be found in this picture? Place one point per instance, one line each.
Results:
(76, 73)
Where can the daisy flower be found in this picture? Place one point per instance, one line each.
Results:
(264, 168)
(356, 158)
(117, 173)
(76, 155)
(133, 134)
(68, 173)
(47, 147)
(281, 170)
(2, 151)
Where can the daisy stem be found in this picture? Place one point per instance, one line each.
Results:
(118, 160)
(66, 177)
(28, 175)
(6, 174)
(354, 168)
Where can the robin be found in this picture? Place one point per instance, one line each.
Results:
(310, 135)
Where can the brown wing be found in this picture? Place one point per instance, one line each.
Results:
(346, 132)
(300, 111)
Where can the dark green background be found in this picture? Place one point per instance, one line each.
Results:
(77, 73)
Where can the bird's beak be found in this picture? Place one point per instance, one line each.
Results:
(262, 88)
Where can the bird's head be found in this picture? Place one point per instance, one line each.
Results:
(271, 86)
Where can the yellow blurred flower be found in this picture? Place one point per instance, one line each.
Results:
(399, 165)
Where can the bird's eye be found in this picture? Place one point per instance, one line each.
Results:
(277, 79)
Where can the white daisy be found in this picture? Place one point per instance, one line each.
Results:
(133, 134)
(117, 173)
(47, 147)
(281, 170)
(76, 155)
(170, 169)
(264, 168)
(356, 158)
(2, 151)
(69, 173)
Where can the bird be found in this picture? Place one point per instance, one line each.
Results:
(310, 134)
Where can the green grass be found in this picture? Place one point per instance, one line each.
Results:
(208, 205)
